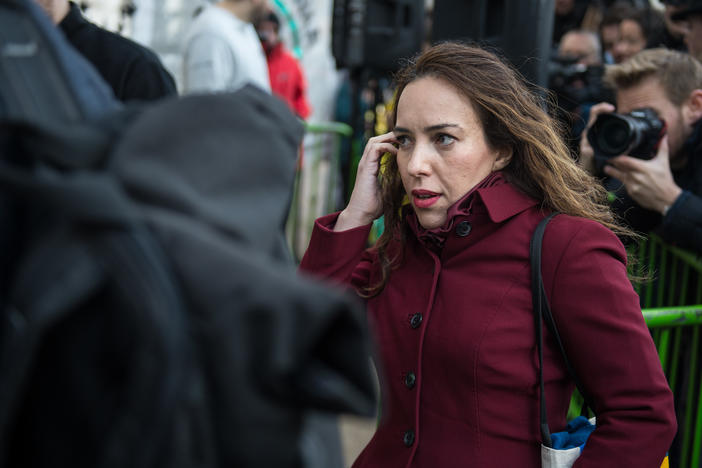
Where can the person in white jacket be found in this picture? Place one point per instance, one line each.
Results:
(222, 51)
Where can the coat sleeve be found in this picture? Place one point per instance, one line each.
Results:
(208, 64)
(147, 80)
(340, 257)
(610, 347)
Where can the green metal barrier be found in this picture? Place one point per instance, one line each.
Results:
(671, 303)
(672, 307)
(677, 332)
(317, 182)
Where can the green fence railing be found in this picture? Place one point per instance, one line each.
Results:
(677, 335)
(672, 307)
(318, 188)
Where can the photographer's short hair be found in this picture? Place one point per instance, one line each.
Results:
(679, 73)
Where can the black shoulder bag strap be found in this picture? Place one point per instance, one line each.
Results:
(542, 312)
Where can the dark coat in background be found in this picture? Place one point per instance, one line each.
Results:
(132, 71)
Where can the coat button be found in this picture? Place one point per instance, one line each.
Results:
(463, 229)
(408, 438)
(416, 320)
(410, 380)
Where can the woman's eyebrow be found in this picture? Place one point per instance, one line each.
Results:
(433, 128)
(429, 129)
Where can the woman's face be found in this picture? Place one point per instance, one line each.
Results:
(442, 150)
(631, 40)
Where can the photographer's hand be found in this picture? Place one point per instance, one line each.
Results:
(365, 204)
(587, 154)
(649, 182)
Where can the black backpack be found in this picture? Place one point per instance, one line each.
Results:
(150, 313)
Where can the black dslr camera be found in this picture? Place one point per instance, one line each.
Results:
(636, 134)
(575, 84)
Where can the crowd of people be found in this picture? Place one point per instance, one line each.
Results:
(651, 63)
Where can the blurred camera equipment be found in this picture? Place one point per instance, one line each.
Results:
(636, 134)
(575, 83)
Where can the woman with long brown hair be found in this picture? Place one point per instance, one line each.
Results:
(472, 165)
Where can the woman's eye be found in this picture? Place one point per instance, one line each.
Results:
(402, 140)
(444, 139)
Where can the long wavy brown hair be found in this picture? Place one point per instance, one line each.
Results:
(513, 117)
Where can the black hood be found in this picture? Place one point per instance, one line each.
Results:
(226, 160)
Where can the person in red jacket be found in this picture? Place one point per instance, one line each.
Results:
(472, 165)
(285, 73)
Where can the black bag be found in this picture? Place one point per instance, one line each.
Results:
(150, 313)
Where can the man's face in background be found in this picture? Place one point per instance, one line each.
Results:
(650, 93)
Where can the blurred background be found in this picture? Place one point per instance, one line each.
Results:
(348, 50)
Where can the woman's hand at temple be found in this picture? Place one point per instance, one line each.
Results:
(366, 204)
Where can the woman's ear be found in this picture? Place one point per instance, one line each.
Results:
(504, 156)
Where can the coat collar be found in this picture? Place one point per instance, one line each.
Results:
(504, 201)
(73, 21)
(494, 195)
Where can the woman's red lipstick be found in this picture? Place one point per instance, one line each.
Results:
(424, 198)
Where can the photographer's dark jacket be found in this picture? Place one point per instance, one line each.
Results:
(455, 333)
(682, 224)
(132, 71)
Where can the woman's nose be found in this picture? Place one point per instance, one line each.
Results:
(419, 163)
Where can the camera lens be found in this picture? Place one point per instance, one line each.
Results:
(614, 136)
(636, 134)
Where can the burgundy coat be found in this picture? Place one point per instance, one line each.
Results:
(456, 341)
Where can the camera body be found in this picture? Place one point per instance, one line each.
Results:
(636, 134)
(575, 84)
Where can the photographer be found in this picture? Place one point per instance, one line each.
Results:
(575, 77)
(662, 189)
